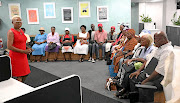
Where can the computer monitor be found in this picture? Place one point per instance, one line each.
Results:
(65, 90)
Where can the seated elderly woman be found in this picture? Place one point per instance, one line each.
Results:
(40, 44)
(111, 37)
(53, 44)
(127, 47)
(120, 38)
(120, 42)
(67, 40)
(139, 56)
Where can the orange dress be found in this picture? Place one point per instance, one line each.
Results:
(129, 46)
(19, 61)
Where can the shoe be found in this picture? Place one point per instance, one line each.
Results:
(103, 60)
(90, 59)
(93, 61)
(97, 59)
(120, 93)
(124, 96)
(46, 61)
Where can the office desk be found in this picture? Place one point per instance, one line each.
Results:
(12, 88)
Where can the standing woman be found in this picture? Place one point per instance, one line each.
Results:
(40, 44)
(81, 47)
(16, 43)
(53, 37)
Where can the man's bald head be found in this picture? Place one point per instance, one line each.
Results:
(160, 38)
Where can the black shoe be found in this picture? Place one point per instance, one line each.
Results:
(120, 92)
(124, 96)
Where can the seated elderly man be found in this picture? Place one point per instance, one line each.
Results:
(164, 49)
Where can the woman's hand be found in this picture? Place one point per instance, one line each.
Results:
(134, 74)
(27, 51)
(128, 61)
(38, 43)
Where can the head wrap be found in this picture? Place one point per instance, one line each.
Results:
(113, 27)
(132, 32)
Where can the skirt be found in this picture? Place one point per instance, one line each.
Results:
(56, 49)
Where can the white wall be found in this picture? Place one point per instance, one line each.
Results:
(170, 10)
(153, 10)
(135, 17)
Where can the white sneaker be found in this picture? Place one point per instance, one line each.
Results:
(97, 59)
(93, 61)
(103, 60)
(89, 59)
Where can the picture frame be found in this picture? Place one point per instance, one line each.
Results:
(0, 3)
(49, 10)
(102, 14)
(32, 15)
(84, 9)
(14, 9)
(67, 14)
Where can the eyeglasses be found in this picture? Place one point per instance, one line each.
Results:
(18, 21)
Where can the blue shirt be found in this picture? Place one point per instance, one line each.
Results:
(40, 38)
(145, 51)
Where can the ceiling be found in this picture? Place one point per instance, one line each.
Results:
(137, 1)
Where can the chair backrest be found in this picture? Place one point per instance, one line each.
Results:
(151, 66)
(65, 90)
(5, 68)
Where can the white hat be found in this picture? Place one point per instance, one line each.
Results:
(67, 29)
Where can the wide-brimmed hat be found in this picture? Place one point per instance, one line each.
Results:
(42, 29)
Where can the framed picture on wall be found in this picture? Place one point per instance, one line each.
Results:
(102, 14)
(49, 10)
(67, 14)
(32, 15)
(84, 9)
(14, 9)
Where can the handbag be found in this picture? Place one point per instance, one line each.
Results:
(67, 44)
(52, 46)
(129, 68)
(110, 85)
(111, 71)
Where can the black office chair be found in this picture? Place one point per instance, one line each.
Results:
(147, 90)
(5, 68)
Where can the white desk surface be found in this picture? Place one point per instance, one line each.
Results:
(12, 88)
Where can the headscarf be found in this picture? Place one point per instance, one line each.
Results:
(132, 32)
(113, 27)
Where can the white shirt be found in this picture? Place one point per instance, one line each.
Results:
(92, 35)
(28, 38)
(161, 54)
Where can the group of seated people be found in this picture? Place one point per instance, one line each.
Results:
(90, 41)
(132, 61)
(125, 48)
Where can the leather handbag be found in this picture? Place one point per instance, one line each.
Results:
(52, 46)
(129, 68)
